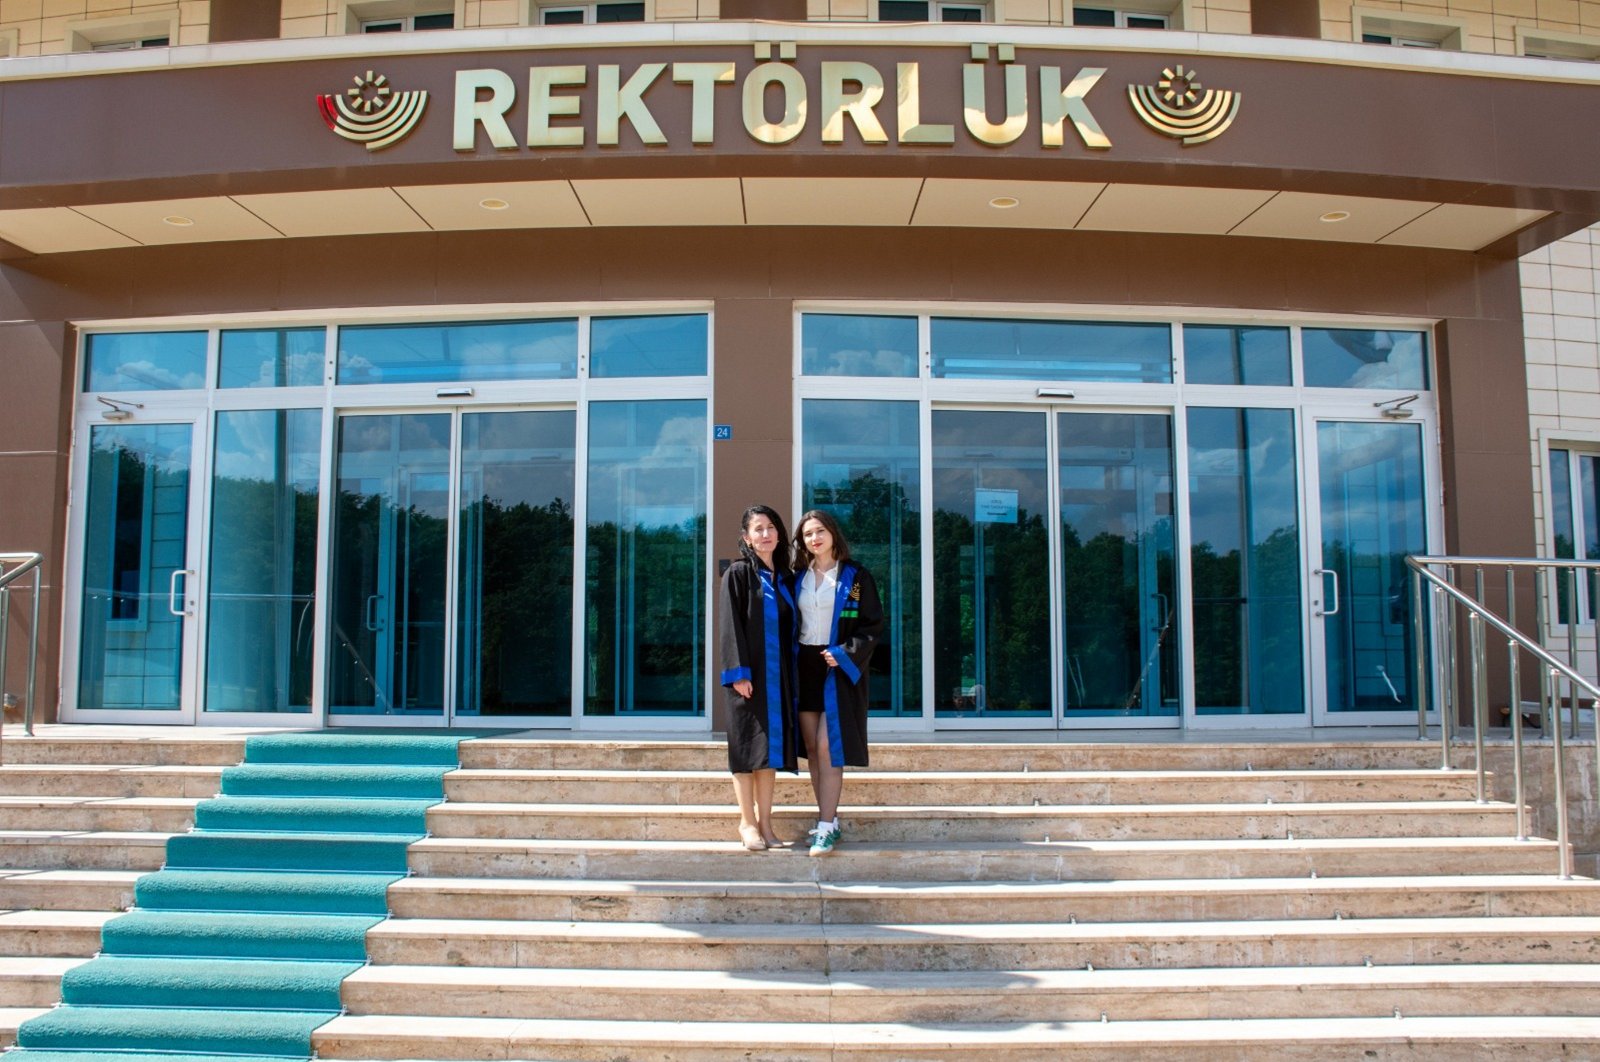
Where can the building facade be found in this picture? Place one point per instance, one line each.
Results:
(394, 363)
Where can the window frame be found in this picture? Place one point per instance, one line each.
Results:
(1532, 42)
(1404, 30)
(532, 13)
(1171, 15)
(353, 15)
(122, 32)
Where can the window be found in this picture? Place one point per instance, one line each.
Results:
(1575, 525)
(1548, 44)
(1405, 31)
(586, 14)
(128, 46)
(925, 11)
(1116, 18)
(123, 32)
(409, 23)
(1360, 357)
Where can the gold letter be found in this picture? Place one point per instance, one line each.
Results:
(704, 77)
(471, 110)
(755, 100)
(912, 131)
(627, 102)
(1056, 105)
(975, 96)
(543, 105)
(836, 102)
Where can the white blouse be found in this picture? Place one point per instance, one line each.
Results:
(816, 605)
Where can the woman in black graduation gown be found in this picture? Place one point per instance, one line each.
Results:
(841, 620)
(757, 651)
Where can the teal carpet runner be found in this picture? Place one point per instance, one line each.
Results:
(237, 947)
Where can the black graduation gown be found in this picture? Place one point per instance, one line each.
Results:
(858, 624)
(756, 642)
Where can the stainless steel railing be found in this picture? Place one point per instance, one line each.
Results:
(1438, 600)
(14, 566)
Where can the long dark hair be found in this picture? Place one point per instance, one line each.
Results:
(780, 555)
(841, 545)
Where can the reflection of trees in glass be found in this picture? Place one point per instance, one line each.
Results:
(1228, 615)
(1107, 659)
(644, 618)
(262, 587)
(881, 521)
(1016, 675)
(525, 582)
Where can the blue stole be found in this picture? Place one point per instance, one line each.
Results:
(774, 651)
(830, 692)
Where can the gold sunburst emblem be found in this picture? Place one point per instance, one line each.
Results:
(1180, 107)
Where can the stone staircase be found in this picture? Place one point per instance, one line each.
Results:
(587, 901)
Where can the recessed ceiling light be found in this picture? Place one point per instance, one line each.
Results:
(1335, 216)
(1004, 202)
(178, 221)
(494, 204)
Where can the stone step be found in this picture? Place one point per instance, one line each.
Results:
(556, 900)
(109, 780)
(974, 995)
(62, 934)
(970, 822)
(1456, 1039)
(76, 812)
(82, 850)
(923, 787)
(67, 890)
(457, 857)
(123, 746)
(11, 1017)
(33, 982)
(982, 946)
(1068, 754)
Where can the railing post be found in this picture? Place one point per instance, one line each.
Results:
(1520, 794)
(33, 657)
(1572, 646)
(1441, 630)
(1562, 839)
(1420, 637)
(5, 633)
(1447, 709)
(1479, 720)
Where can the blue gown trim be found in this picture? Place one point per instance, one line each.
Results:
(830, 692)
(774, 669)
(735, 674)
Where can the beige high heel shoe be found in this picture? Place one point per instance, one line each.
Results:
(750, 837)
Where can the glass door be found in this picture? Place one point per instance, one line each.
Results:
(137, 596)
(1120, 608)
(1368, 510)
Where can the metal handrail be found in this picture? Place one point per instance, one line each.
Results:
(25, 562)
(1554, 672)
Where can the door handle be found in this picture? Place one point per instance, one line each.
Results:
(172, 591)
(371, 619)
(1334, 611)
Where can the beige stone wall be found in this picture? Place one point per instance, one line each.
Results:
(1490, 25)
(322, 18)
(41, 27)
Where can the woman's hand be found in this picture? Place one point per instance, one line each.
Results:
(826, 655)
(744, 688)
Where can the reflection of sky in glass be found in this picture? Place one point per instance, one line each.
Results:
(1220, 463)
(271, 357)
(1387, 456)
(522, 458)
(673, 345)
(994, 451)
(485, 350)
(1357, 357)
(248, 442)
(1228, 354)
(974, 348)
(145, 361)
(652, 457)
(833, 344)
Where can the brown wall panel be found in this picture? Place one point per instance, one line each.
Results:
(245, 20)
(766, 10)
(754, 276)
(753, 392)
(1287, 18)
